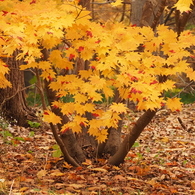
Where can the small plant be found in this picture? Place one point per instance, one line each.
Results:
(5, 134)
(139, 156)
(57, 152)
(34, 124)
(3, 123)
(31, 134)
(185, 162)
(135, 145)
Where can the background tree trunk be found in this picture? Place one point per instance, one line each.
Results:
(136, 11)
(85, 3)
(152, 13)
(12, 100)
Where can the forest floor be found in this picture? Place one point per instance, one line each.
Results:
(161, 162)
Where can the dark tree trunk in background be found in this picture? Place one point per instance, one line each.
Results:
(152, 13)
(136, 11)
(12, 100)
(85, 3)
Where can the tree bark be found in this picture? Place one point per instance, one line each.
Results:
(12, 100)
(67, 139)
(181, 19)
(152, 12)
(136, 11)
(85, 3)
(130, 139)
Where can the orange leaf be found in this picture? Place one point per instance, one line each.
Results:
(174, 104)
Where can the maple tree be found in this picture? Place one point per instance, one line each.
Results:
(96, 66)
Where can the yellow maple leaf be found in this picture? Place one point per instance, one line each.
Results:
(94, 123)
(4, 82)
(191, 74)
(29, 65)
(97, 81)
(55, 55)
(118, 107)
(114, 120)
(44, 65)
(3, 68)
(49, 74)
(80, 98)
(79, 120)
(174, 104)
(76, 128)
(68, 108)
(71, 126)
(116, 3)
(108, 92)
(89, 107)
(95, 96)
(106, 118)
(50, 117)
(79, 108)
(85, 74)
(102, 135)
(93, 131)
(183, 5)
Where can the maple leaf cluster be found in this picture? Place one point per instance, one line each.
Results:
(3, 71)
(183, 5)
(128, 62)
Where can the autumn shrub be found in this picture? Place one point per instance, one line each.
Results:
(90, 70)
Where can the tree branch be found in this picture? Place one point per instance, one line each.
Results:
(130, 139)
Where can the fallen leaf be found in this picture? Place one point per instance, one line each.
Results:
(67, 166)
(57, 173)
(99, 169)
(76, 186)
(119, 177)
(41, 173)
(87, 162)
(24, 189)
(193, 184)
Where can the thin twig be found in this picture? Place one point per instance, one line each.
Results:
(188, 85)
(46, 160)
(10, 191)
(181, 123)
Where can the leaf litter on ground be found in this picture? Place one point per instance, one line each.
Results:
(162, 161)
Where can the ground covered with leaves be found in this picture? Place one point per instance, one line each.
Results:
(162, 161)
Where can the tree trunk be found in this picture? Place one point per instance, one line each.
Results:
(181, 19)
(12, 100)
(136, 11)
(152, 12)
(85, 3)
(145, 13)
(130, 139)
(67, 139)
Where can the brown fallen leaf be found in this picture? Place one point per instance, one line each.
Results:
(57, 173)
(99, 169)
(67, 166)
(76, 186)
(193, 184)
(24, 189)
(119, 177)
(41, 174)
